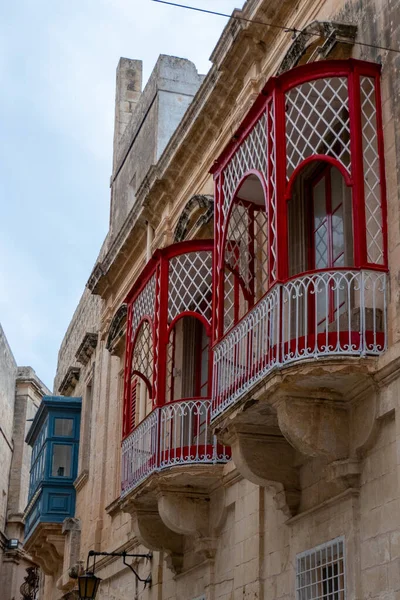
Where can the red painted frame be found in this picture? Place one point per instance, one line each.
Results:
(159, 265)
(274, 94)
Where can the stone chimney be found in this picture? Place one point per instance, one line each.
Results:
(127, 94)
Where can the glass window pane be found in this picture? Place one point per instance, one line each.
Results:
(337, 234)
(337, 188)
(321, 247)
(63, 427)
(319, 203)
(61, 463)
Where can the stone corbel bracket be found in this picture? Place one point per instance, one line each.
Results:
(69, 382)
(268, 460)
(188, 515)
(86, 348)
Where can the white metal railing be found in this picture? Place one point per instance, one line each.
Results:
(329, 313)
(174, 434)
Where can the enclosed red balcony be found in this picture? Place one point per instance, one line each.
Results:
(300, 228)
(168, 370)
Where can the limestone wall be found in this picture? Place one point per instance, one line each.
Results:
(256, 543)
(85, 320)
(8, 371)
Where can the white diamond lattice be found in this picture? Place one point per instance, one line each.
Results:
(190, 279)
(372, 189)
(272, 188)
(144, 304)
(251, 154)
(317, 121)
(142, 359)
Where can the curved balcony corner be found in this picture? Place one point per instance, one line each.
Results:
(174, 435)
(325, 316)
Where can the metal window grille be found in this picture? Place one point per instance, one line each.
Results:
(144, 304)
(372, 188)
(142, 359)
(251, 154)
(320, 572)
(190, 278)
(246, 258)
(317, 121)
(272, 188)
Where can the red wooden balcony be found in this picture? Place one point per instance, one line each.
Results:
(329, 313)
(300, 227)
(168, 367)
(174, 434)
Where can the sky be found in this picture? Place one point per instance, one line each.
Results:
(57, 81)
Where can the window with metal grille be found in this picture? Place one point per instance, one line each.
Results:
(320, 572)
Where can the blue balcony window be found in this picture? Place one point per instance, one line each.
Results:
(54, 437)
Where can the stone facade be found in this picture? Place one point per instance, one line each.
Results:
(305, 469)
(20, 394)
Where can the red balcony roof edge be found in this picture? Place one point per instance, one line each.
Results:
(167, 253)
(283, 83)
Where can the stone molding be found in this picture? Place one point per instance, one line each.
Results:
(195, 202)
(46, 547)
(117, 326)
(329, 33)
(87, 347)
(81, 480)
(69, 382)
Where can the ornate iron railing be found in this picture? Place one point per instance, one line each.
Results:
(174, 434)
(326, 313)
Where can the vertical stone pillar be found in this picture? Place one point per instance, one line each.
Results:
(127, 94)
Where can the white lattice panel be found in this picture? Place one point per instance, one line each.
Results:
(190, 280)
(372, 188)
(144, 304)
(237, 245)
(251, 154)
(317, 121)
(271, 178)
(142, 359)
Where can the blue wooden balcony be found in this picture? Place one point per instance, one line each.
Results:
(54, 437)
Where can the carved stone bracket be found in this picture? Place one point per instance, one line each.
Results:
(69, 382)
(152, 532)
(86, 348)
(189, 515)
(314, 426)
(46, 546)
(268, 460)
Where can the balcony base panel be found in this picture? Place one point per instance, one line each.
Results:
(46, 547)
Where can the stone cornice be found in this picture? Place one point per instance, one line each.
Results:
(86, 348)
(69, 382)
(191, 138)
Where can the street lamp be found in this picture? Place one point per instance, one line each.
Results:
(88, 586)
(88, 583)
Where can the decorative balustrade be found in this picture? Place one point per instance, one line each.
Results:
(326, 313)
(174, 434)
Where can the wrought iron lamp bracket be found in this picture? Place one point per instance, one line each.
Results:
(124, 556)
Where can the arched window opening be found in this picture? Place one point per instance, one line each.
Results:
(320, 231)
(188, 360)
(246, 252)
(142, 375)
